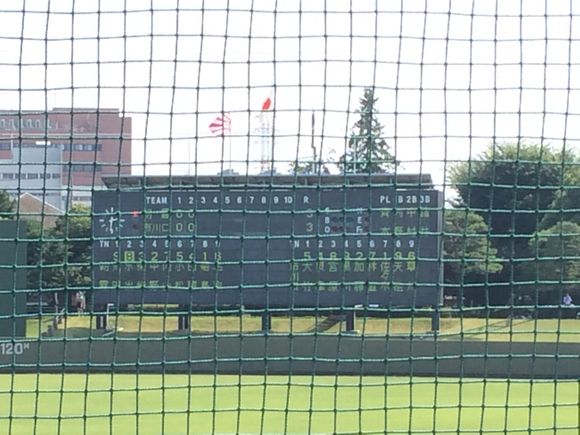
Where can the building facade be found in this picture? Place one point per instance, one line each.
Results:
(61, 155)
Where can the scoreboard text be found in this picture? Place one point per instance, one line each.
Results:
(274, 246)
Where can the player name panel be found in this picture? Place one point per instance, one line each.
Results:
(282, 247)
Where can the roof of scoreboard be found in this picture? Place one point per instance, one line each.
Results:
(388, 180)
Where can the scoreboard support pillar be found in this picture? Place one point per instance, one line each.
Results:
(184, 319)
(266, 321)
(351, 321)
(102, 316)
(102, 321)
(435, 320)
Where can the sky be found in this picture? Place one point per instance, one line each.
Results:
(451, 76)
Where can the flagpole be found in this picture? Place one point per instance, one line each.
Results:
(312, 145)
(188, 156)
(266, 137)
(222, 125)
(230, 150)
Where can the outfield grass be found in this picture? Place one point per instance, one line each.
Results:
(177, 404)
(516, 330)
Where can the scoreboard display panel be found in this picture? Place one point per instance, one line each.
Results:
(296, 246)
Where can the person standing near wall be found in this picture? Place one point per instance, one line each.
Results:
(568, 304)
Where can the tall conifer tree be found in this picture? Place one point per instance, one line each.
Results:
(366, 150)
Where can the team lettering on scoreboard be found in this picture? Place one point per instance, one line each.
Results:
(366, 241)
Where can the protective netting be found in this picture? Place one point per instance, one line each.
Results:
(289, 217)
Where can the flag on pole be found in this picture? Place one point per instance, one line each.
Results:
(222, 124)
(267, 104)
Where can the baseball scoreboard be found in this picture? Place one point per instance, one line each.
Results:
(274, 246)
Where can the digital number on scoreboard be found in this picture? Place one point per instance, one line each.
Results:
(278, 247)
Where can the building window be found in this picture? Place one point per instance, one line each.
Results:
(36, 144)
(81, 147)
(85, 168)
(5, 146)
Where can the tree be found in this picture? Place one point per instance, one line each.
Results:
(6, 206)
(367, 151)
(566, 204)
(468, 255)
(308, 168)
(557, 268)
(512, 187)
(62, 254)
(33, 253)
(74, 229)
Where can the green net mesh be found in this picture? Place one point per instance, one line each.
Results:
(289, 217)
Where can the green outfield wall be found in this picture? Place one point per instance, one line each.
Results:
(298, 355)
(12, 279)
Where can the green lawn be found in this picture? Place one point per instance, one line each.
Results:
(177, 404)
(492, 329)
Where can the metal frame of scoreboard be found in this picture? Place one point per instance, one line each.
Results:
(283, 242)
